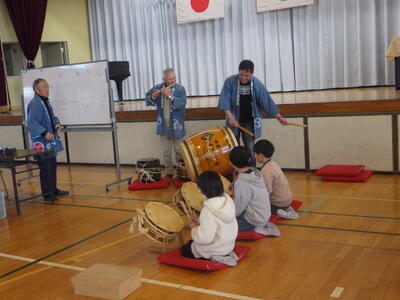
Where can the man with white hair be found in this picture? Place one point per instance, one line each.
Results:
(44, 127)
(170, 99)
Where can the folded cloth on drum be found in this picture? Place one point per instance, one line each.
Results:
(175, 258)
(362, 177)
(340, 170)
(137, 185)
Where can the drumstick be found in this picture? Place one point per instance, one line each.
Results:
(298, 125)
(245, 130)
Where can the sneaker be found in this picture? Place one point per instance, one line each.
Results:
(61, 193)
(289, 214)
(268, 230)
(227, 260)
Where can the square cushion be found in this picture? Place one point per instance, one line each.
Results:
(362, 177)
(340, 170)
(175, 258)
(137, 185)
(177, 182)
(252, 235)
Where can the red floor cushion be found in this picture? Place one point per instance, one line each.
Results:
(137, 185)
(175, 258)
(177, 182)
(248, 236)
(362, 177)
(340, 170)
(252, 235)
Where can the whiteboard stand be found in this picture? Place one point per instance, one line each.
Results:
(116, 149)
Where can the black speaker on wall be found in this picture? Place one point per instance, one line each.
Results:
(397, 72)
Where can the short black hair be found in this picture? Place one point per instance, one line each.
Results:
(264, 147)
(210, 184)
(246, 65)
(240, 157)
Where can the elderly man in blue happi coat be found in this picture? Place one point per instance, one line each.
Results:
(170, 99)
(243, 99)
(44, 127)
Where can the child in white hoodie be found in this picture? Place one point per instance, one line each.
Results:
(214, 233)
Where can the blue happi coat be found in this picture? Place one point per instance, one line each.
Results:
(176, 127)
(38, 122)
(261, 101)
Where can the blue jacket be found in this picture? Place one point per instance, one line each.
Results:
(261, 101)
(38, 122)
(177, 113)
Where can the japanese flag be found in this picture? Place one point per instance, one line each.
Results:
(198, 10)
(267, 5)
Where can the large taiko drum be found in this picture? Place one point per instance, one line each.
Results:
(159, 222)
(208, 150)
(189, 199)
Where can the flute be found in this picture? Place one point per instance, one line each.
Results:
(157, 92)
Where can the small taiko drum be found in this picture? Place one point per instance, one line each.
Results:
(189, 199)
(181, 171)
(148, 170)
(208, 150)
(159, 222)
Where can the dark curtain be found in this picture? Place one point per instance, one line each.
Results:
(28, 17)
(4, 99)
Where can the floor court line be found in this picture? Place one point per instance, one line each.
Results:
(65, 248)
(350, 215)
(339, 229)
(144, 280)
(345, 197)
(74, 258)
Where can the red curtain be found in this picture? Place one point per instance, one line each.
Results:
(4, 98)
(28, 20)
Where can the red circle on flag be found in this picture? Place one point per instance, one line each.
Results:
(199, 6)
(38, 147)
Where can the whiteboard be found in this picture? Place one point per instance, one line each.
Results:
(78, 93)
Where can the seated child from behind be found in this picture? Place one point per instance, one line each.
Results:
(214, 233)
(276, 182)
(251, 198)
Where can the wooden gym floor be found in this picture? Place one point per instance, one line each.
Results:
(345, 246)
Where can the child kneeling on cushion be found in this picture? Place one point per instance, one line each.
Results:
(276, 182)
(251, 198)
(215, 234)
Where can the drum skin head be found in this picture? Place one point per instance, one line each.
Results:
(164, 217)
(192, 195)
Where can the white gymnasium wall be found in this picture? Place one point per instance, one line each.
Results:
(351, 140)
(288, 142)
(337, 140)
(11, 136)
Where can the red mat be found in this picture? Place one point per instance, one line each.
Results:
(177, 182)
(340, 170)
(175, 258)
(362, 177)
(137, 185)
(252, 235)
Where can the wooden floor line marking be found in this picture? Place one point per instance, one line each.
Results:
(43, 262)
(74, 258)
(144, 280)
(65, 248)
(345, 197)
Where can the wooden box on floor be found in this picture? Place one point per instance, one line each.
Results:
(107, 281)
